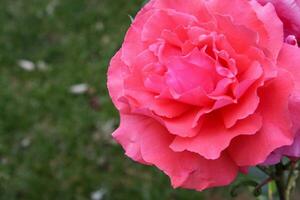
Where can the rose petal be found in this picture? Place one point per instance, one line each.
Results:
(193, 7)
(132, 45)
(208, 173)
(188, 72)
(143, 138)
(213, 137)
(186, 125)
(289, 59)
(115, 81)
(276, 130)
(289, 12)
(273, 26)
(129, 135)
(239, 37)
(245, 106)
(168, 20)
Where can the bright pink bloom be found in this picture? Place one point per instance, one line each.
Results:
(203, 88)
(289, 12)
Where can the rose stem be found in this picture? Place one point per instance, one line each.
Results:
(279, 180)
(291, 181)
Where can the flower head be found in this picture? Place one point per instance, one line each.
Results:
(203, 88)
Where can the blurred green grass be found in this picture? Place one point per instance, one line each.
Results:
(54, 144)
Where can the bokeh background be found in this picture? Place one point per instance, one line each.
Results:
(56, 118)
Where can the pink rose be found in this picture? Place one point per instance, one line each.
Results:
(289, 13)
(203, 88)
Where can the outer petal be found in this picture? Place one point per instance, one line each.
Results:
(193, 7)
(213, 137)
(129, 135)
(169, 20)
(185, 169)
(115, 81)
(212, 173)
(262, 20)
(132, 44)
(240, 37)
(294, 149)
(276, 130)
(289, 59)
(289, 12)
(272, 159)
(146, 141)
(240, 10)
(273, 26)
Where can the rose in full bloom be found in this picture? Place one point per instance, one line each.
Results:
(203, 88)
(289, 13)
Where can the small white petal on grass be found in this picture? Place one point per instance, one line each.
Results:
(98, 195)
(108, 126)
(3, 161)
(26, 65)
(101, 161)
(79, 88)
(106, 129)
(105, 39)
(99, 26)
(50, 9)
(26, 142)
